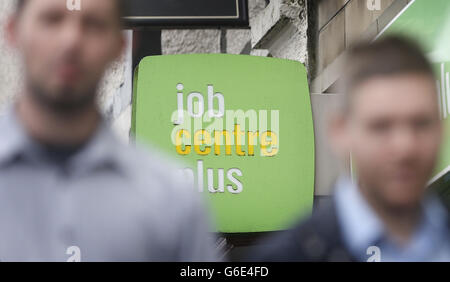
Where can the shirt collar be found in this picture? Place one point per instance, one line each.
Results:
(360, 226)
(102, 150)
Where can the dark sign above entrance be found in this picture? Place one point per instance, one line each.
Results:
(176, 13)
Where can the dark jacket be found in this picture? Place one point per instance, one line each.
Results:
(316, 239)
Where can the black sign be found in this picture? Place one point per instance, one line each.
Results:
(182, 13)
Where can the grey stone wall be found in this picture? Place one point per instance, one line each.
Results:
(278, 29)
(281, 28)
(232, 41)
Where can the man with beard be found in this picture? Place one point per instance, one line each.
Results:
(69, 190)
(389, 125)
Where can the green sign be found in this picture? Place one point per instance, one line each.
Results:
(429, 23)
(242, 125)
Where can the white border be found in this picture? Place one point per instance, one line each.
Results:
(439, 175)
(394, 19)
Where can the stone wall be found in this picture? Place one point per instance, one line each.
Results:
(231, 41)
(341, 23)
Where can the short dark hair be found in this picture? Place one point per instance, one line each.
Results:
(387, 56)
(121, 4)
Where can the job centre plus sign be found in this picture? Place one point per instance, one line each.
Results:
(241, 125)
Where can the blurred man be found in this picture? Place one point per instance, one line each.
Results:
(389, 121)
(68, 189)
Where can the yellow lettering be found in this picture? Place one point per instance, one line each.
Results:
(251, 142)
(218, 142)
(272, 142)
(198, 142)
(238, 133)
(179, 142)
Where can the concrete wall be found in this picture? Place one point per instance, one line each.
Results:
(232, 41)
(278, 29)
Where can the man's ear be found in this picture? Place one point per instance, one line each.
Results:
(10, 31)
(338, 134)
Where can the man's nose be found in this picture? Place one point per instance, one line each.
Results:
(404, 142)
(71, 35)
